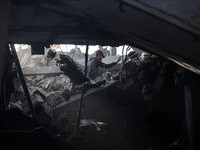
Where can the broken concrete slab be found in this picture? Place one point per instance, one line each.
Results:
(45, 70)
(77, 96)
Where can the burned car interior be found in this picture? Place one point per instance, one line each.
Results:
(148, 100)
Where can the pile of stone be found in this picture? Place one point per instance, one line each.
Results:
(46, 92)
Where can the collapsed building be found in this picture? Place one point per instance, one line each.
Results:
(150, 100)
(142, 83)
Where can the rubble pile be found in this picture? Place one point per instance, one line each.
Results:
(49, 87)
(45, 92)
(144, 72)
(147, 84)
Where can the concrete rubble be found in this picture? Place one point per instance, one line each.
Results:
(47, 82)
(141, 78)
(44, 89)
(149, 86)
(52, 86)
